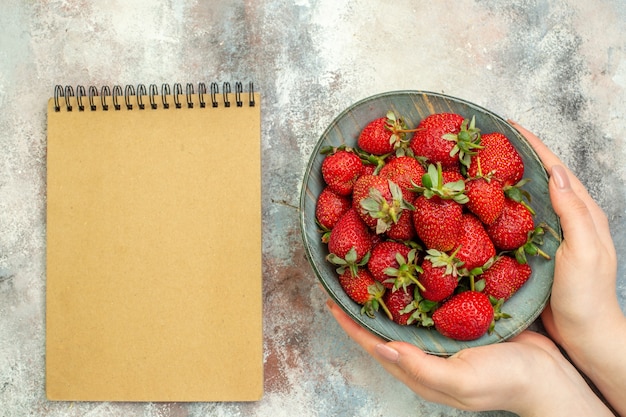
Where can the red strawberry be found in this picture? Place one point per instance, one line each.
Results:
(384, 135)
(465, 316)
(511, 230)
(369, 169)
(498, 156)
(394, 265)
(364, 290)
(438, 210)
(451, 175)
(504, 277)
(440, 275)
(475, 247)
(378, 201)
(399, 303)
(330, 207)
(437, 222)
(403, 229)
(405, 171)
(376, 239)
(446, 138)
(485, 198)
(454, 168)
(350, 241)
(340, 170)
(383, 256)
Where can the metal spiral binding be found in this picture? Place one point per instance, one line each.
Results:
(201, 93)
(178, 89)
(134, 96)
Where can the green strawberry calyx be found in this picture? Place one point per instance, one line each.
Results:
(517, 193)
(498, 314)
(350, 261)
(421, 310)
(532, 246)
(386, 213)
(376, 292)
(450, 262)
(433, 185)
(399, 129)
(467, 141)
(406, 272)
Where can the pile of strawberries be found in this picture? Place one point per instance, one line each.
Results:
(430, 224)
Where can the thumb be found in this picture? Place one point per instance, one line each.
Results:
(576, 220)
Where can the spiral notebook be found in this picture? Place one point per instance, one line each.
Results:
(154, 285)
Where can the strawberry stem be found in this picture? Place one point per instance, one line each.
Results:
(419, 284)
(385, 309)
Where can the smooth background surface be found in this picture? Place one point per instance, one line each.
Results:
(557, 67)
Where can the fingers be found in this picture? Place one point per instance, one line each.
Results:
(467, 380)
(545, 154)
(569, 183)
(576, 219)
(364, 338)
(528, 337)
(433, 378)
(571, 200)
(548, 158)
(405, 362)
(547, 319)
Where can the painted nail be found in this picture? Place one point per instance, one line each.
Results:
(560, 177)
(387, 353)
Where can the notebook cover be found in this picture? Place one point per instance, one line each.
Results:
(154, 285)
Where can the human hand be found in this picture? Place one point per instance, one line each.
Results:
(585, 262)
(537, 380)
(526, 375)
(583, 314)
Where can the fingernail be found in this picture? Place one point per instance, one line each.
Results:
(387, 353)
(560, 177)
(511, 121)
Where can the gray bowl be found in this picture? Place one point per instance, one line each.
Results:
(524, 307)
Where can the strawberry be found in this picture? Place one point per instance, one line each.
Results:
(399, 303)
(378, 201)
(440, 275)
(385, 255)
(330, 207)
(394, 265)
(451, 175)
(455, 172)
(403, 229)
(504, 277)
(485, 198)
(350, 242)
(475, 247)
(446, 138)
(340, 170)
(438, 210)
(437, 222)
(499, 157)
(407, 306)
(405, 171)
(511, 229)
(368, 169)
(384, 135)
(465, 316)
(364, 290)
